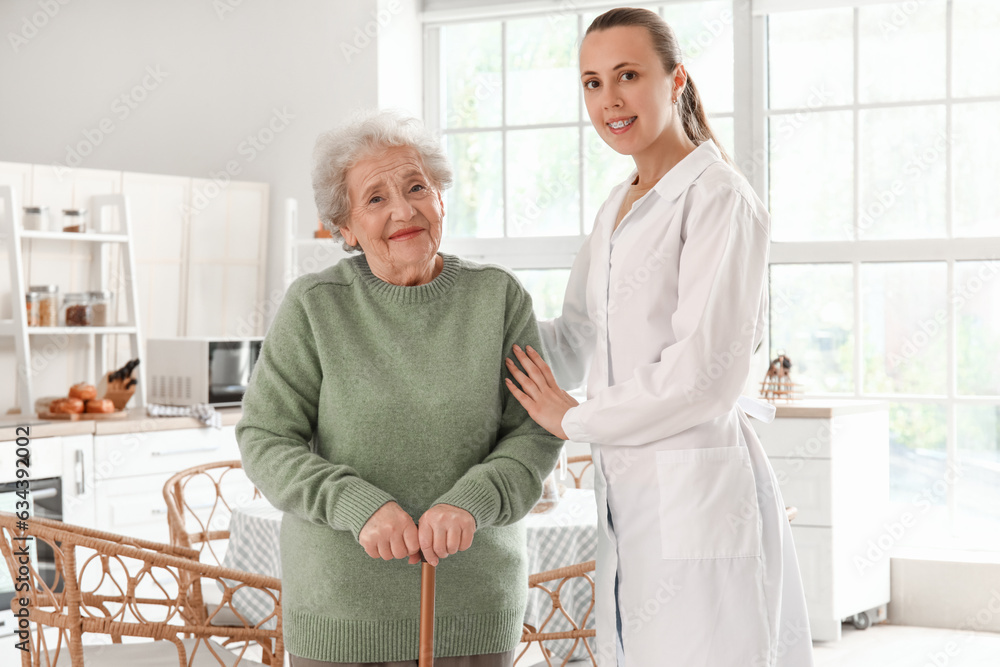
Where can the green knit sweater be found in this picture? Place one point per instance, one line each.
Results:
(365, 393)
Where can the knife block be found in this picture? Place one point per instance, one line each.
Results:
(116, 392)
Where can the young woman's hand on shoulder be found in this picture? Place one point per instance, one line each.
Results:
(539, 393)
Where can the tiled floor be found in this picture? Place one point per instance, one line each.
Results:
(879, 646)
(886, 646)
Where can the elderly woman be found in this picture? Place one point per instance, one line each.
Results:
(378, 421)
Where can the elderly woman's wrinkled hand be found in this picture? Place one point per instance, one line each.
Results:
(445, 530)
(390, 533)
(539, 393)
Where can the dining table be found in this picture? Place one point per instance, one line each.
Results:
(563, 535)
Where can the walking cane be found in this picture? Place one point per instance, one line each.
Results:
(426, 655)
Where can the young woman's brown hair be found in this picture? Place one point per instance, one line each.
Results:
(665, 44)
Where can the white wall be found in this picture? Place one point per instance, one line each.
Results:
(225, 66)
(179, 88)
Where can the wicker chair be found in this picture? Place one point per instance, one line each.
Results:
(553, 583)
(118, 586)
(200, 501)
(585, 459)
(199, 505)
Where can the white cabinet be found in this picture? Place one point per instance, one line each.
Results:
(77, 479)
(832, 463)
(68, 457)
(131, 469)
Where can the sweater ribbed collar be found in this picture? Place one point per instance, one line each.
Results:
(403, 294)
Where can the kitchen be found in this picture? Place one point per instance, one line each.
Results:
(195, 122)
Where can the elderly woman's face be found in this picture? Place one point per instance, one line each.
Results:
(396, 213)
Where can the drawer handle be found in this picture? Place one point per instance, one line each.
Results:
(157, 452)
(80, 474)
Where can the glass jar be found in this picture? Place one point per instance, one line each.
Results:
(32, 301)
(74, 220)
(76, 309)
(35, 218)
(102, 308)
(48, 304)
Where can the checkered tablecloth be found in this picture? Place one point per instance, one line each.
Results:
(565, 535)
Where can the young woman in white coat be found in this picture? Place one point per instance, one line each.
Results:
(665, 305)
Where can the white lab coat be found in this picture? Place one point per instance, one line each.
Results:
(666, 312)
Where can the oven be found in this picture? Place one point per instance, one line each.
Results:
(45, 500)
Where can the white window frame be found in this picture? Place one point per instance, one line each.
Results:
(750, 120)
(858, 252)
(547, 252)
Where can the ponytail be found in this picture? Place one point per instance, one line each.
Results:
(693, 117)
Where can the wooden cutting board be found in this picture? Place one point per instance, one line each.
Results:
(73, 416)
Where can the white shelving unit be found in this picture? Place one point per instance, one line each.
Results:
(17, 327)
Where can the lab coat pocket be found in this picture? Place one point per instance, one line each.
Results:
(708, 504)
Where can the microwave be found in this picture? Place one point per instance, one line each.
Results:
(190, 371)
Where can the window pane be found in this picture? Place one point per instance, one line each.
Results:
(975, 47)
(705, 33)
(903, 155)
(905, 327)
(918, 470)
(722, 128)
(811, 176)
(810, 58)
(976, 133)
(902, 51)
(812, 321)
(976, 296)
(543, 173)
(543, 74)
(547, 288)
(474, 203)
(977, 478)
(472, 87)
(603, 169)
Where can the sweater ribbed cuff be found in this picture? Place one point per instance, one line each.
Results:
(480, 500)
(356, 503)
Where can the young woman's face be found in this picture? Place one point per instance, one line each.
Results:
(628, 94)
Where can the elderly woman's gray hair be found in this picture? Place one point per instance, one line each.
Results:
(365, 134)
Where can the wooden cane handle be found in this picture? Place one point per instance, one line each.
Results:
(426, 656)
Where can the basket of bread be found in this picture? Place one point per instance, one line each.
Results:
(116, 388)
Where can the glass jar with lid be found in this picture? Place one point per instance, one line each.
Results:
(76, 309)
(35, 218)
(31, 304)
(74, 220)
(102, 308)
(48, 304)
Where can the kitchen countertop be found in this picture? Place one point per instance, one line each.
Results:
(137, 422)
(824, 408)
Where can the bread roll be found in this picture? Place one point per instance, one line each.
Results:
(66, 406)
(83, 391)
(103, 405)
